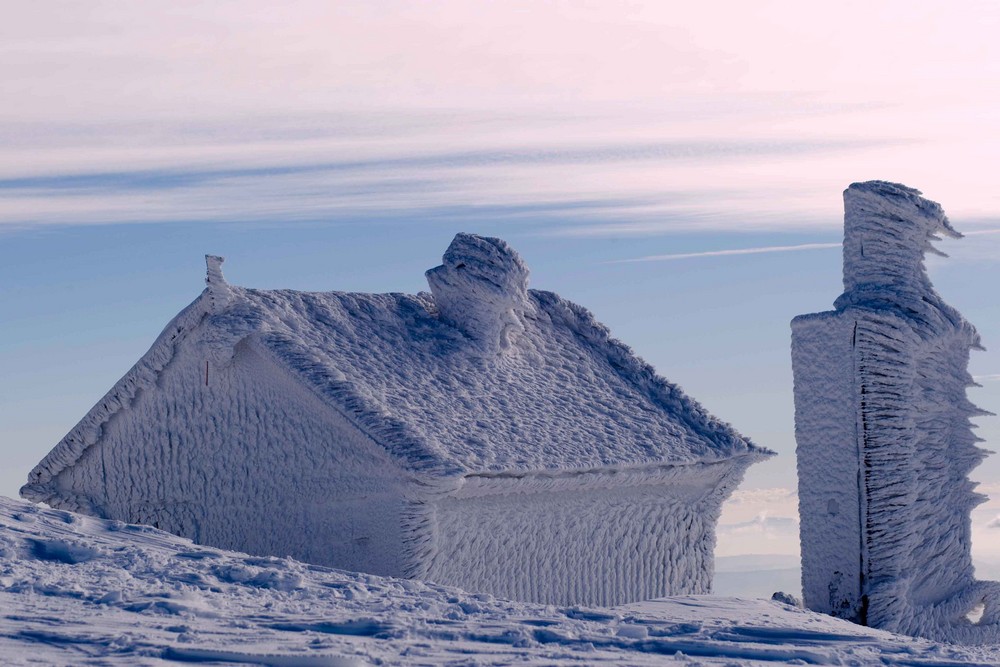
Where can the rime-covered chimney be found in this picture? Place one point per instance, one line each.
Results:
(481, 288)
(888, 228)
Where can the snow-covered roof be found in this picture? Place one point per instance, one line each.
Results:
(482, 376)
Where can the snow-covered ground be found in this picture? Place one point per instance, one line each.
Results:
(78, 590)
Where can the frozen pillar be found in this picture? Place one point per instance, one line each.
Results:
(885, 442)
(830, 492)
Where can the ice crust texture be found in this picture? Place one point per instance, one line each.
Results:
(413, 435)
(885, 441)
(75, 590)
(482, 289)
(412, 371)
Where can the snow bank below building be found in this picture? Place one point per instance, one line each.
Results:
(78, 590)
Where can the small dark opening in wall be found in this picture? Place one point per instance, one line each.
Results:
(460, 265)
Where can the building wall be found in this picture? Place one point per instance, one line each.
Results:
(250, 461)
(597, 546)
(884, 450)
(829, 468)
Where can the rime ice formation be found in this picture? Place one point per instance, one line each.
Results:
(216, 286)
(884, 436)
(487, 436)
(482, 289)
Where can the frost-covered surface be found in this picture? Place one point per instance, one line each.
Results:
(885, 442)
(596, 541)
(81, 591)
(307, 484)
(482, 289)
(565, 395)
(420, 436)
(827, 460)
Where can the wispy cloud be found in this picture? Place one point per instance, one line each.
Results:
(987, 378)
(726, 253)
(775, 494)
(765, 250)
(981, 244)
(764, 533)
(750, 506)
(499, 113)
(186, 176)
(576, 189)
(763, 521)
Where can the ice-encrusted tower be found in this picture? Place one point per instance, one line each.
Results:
(885, 442)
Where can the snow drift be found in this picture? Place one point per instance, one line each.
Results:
(75, 590)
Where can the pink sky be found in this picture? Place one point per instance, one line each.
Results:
(918, 80)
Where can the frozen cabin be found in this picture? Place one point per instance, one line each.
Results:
(484, 435)
(885, 443)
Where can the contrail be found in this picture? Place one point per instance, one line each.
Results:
(758, 251)
(724, 253)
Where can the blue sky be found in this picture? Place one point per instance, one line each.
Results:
(623, 148)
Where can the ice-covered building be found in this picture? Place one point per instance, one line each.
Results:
(885, 442)
(484, 435)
